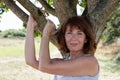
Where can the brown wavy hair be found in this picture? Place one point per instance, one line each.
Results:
(82, 23)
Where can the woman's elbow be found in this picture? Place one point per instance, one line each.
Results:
(32, 64)
(42, 66)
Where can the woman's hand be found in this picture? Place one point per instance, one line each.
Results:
(49, 28)
(31, 22)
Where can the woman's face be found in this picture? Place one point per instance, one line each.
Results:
(75, 39)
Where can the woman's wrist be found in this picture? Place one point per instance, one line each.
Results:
(46, 36)
(30, 27)
(46, 33)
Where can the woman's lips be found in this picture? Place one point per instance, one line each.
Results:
(73, 44)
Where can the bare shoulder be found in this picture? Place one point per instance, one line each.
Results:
(90, 58)
(92, 64)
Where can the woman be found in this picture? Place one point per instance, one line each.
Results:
(76, 38)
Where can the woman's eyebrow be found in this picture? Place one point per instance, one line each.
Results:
(80, 31)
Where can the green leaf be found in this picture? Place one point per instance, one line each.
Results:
(82, 3)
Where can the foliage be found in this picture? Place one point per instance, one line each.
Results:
(82, 3)
(112, 32)
(50, 2)
(3, 8)
(13, 33)
(36, 33)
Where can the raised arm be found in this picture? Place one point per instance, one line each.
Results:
(44, 57)
(30, 57)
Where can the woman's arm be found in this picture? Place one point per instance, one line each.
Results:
(44, 55)
(30, 57)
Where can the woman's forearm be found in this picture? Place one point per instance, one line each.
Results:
(30, 57)
(44, 55)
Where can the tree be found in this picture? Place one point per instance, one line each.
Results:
(97, 11)
(112, 31)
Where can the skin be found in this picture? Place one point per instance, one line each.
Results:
(77, 65)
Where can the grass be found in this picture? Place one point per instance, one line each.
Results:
(110, 70)
(12, 51)
(18, 70)
(13, 66)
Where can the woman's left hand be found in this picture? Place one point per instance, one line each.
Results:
(49, 28)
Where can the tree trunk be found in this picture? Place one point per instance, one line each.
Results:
(99, 15)
(64, 10)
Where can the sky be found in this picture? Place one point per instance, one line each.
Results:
(10, 21)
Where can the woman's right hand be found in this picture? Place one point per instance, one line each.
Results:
(49, 28)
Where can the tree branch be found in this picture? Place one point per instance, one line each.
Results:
(73, 4)
(39, 17)
(91, 5)
(64, 10)
(35, 12)
(16, 10)
(48, 7)
(100, 14)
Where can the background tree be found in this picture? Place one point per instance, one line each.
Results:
(97, 11)
(112, 31)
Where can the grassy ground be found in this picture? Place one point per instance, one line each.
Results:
(13, 67)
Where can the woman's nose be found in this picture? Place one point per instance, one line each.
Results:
(74, 36)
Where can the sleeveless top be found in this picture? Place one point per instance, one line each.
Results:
(60, 77)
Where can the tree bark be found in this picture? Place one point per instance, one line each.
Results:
(47, 7)
(35, 12)
(64, 10)
(39, 17)
(16, 10)
(99, 15)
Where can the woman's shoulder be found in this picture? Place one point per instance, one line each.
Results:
(91, 57)
(92, 63)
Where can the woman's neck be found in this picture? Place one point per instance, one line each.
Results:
(75, 54)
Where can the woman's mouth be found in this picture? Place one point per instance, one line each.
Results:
(73, 44)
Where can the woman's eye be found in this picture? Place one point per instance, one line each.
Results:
(79, 33)
(68, 33)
